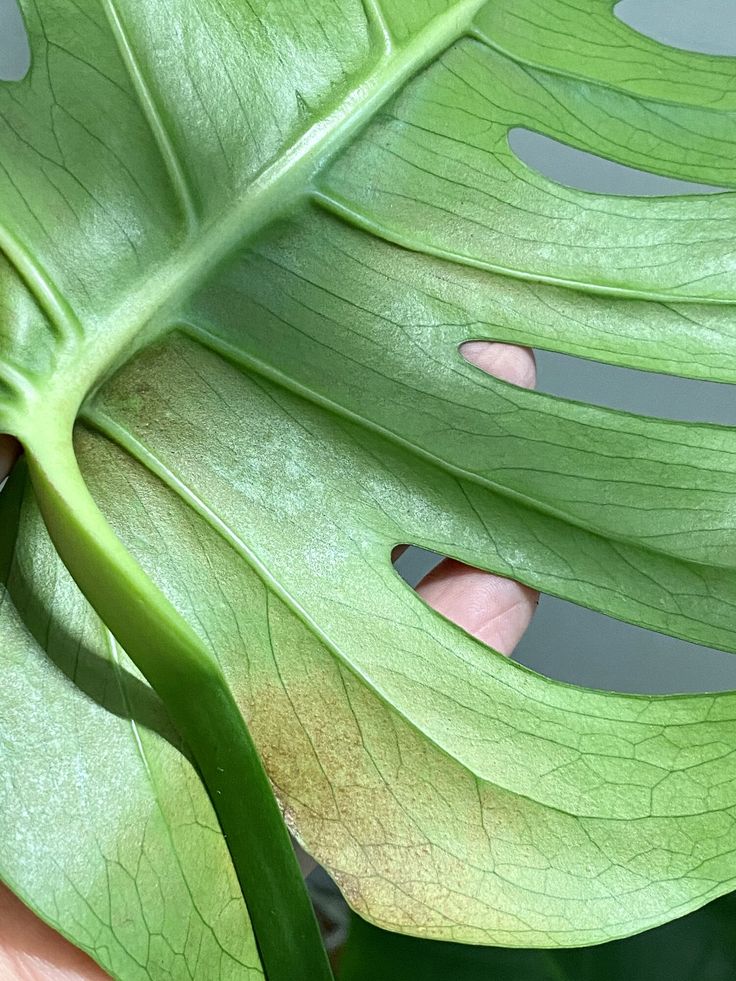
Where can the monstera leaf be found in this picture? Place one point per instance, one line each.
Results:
(242, 245)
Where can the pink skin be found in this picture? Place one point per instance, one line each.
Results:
(495, 610)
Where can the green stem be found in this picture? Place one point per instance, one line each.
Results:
(187, 679)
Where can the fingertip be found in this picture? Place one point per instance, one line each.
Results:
(509, 362)
(495, 610)
(31, 951)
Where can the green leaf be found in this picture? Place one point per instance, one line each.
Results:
(107, 830)
(242, 245)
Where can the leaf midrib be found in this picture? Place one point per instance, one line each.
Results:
(148, 311)
(150, 109)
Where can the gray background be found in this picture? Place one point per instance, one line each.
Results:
(566, 641)
(14, 53)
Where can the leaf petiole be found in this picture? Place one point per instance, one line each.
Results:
(187, 678)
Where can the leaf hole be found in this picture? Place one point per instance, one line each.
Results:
(571, 167)
(15, 49)
(646, 393)
(702, 26)
(632, 390)
(570, 643)
(586, 648)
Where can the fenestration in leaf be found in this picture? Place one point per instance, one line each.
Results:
(242, 245)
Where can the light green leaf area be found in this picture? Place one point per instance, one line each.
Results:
(242, 245)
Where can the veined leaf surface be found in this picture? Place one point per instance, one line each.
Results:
(242, 244)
